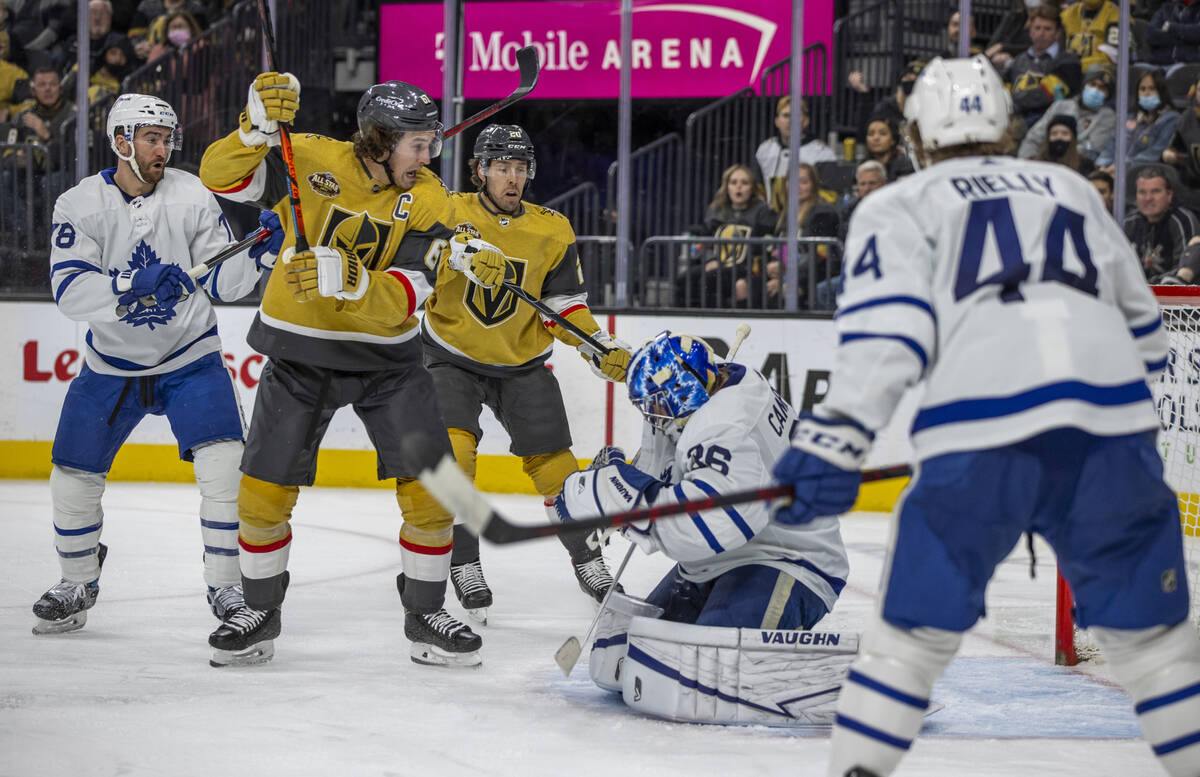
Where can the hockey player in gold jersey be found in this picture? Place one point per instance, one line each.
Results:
(485, 346)
(337, 325)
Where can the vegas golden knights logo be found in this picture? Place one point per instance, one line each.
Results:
(357, 234)
(494, 306)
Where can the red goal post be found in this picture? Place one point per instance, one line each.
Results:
(1177, 395)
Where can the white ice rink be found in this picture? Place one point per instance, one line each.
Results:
(132, 693)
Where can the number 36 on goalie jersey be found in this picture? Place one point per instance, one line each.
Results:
(1011, 278)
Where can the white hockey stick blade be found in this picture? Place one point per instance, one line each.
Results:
(447, 484)
(568, 655)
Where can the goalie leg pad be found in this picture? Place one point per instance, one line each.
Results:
(1160, 669)
(609, 647)
(886, 694)
(78, 520)
(218, 476)
(712, 674)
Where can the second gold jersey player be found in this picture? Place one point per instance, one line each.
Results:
(486, 346)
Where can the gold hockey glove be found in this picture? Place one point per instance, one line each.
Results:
(273, 97)
(481, 262)
(323, 271)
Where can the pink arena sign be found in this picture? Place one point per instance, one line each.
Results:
(708, 48)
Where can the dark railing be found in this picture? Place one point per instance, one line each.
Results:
(817, 89)
(657, 191)
(582, 207)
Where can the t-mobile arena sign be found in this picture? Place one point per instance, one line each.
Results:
(709, 48)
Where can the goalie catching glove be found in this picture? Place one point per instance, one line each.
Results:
(823, 468)
(612, 364)
(323, 271)
(273, 97)
(481, 262)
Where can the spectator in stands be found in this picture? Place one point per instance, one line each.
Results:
(14, 81)
(890, 108)
(952, 30)
(883, 146)
(41, 27)
(150, 10)
(1046, 71)
(1011, 35)
(113, 63)
(868, 177)
(100, 17)
(1089, 24)
(1188, 270)
(772, 154)
(41, 122)
(1150, 131)
(1173, 33)
(738, 209)
(1059, 146)
(172, 32)
(1094, 117)
(1159, 229)
(1104, 186)
(1183, 153)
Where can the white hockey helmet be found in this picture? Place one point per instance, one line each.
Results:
(132, 110)
(959, 101)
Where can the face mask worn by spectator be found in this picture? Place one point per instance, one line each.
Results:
(1149, 102)
(179, 38)
(1058, 147)
(1093, 97)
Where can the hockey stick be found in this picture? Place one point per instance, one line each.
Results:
(527, 62)
(568, 654)
(545, 310)
(450, 486)
(285, 135)
(200, 270)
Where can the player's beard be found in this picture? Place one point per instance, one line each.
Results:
(151, 169)
(509, 198)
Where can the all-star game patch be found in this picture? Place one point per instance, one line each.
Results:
(324, 184)
(467, 228)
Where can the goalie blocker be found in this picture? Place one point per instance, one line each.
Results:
(712, 674)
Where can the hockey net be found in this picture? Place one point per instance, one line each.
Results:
(1177, 395)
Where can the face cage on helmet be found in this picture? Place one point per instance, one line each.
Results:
(484, 164)
(655, 407)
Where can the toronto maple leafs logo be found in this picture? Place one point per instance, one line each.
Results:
(139, 314)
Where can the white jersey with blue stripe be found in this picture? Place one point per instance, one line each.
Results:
(1005, 288)
(98, 231)
(732, 443)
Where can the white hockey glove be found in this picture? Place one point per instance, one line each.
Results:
(823, 467)
(326, 272)
(273, 97)
(480, 261)
(612, 364)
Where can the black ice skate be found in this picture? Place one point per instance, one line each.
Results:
(225, 601)
(594, 577)
(64, 607)
(246, 637)
(440, 639)
(472, 590)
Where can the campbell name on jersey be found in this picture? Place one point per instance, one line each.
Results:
(732, 443)
(398, 235)
(98, 231)
(491, 330)
(1008, 290)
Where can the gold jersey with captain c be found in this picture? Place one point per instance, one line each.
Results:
(492, 331)
(399, 236)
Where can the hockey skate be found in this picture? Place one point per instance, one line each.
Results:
(246, 637)
(594, 577)
(438, 638)
(472, 590)
(225, 601)
(64, 607)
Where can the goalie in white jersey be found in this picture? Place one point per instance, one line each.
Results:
(711, 427)
(122, 242)
(1004, 287)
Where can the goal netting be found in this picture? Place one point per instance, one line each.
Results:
(1177, 395)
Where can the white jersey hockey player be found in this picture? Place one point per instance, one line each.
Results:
(1003, 287)
(712, 427)
(121, 244)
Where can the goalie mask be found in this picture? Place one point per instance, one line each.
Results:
(131, 111)
(395, 107)
(671, 377)
(504, 141)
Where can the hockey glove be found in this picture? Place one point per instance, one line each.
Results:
(481, 262)
(273, 97)
(613, 488)
(323, 271)
(265, 251)
(610, 365)
(161, 285)
(609, 454)
(822, 467)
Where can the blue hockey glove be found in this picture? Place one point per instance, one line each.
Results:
(264, 252)
(609, 454)
(164, 283)
(823, 468)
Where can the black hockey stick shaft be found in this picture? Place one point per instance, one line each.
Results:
(527, 63)
(545, 310)
(285, 136)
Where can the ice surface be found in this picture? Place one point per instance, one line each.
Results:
(132, 692)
